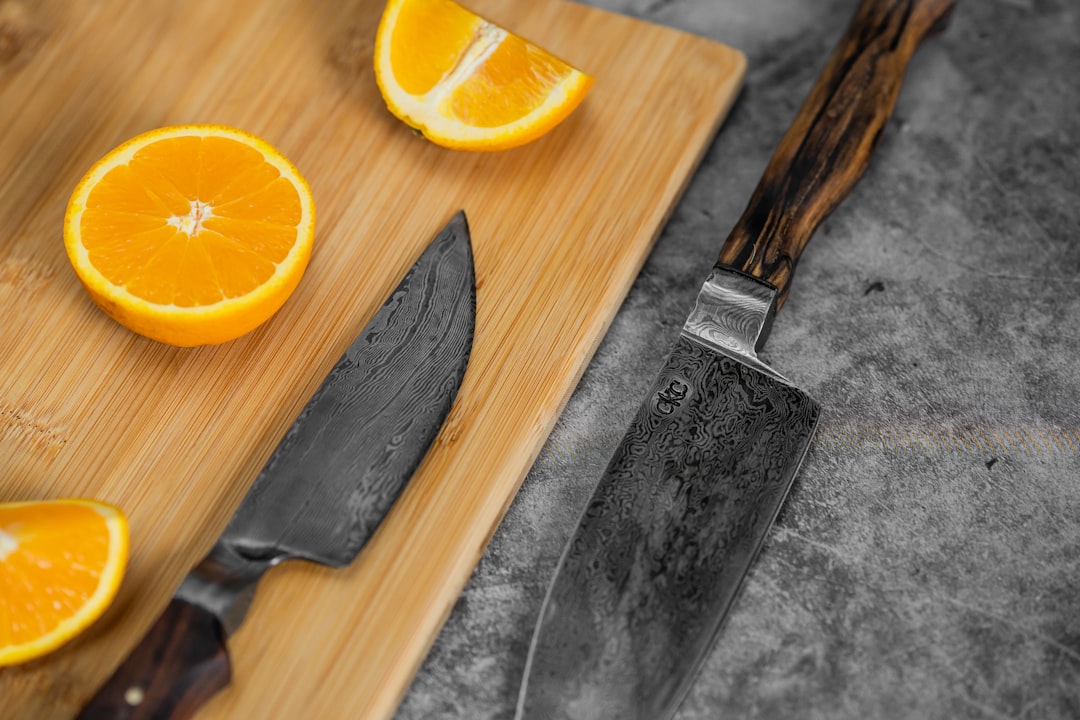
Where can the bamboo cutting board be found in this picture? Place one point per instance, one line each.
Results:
(175, 437)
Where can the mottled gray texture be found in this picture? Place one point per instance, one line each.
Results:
(927, 563)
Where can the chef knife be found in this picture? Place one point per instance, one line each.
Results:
(648, 577)
(333, 477)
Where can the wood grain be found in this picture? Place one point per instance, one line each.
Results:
(180, 663)
(829, 144)
(175, 437)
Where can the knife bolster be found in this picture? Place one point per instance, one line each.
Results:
(224, 583)
(734, 311)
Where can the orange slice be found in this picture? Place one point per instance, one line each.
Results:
(191, 235)
(467, 83)
(61, 563)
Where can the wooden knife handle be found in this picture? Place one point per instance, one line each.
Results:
(828, 146)
(178, 665)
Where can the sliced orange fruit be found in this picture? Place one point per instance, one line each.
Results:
(61, 563)
(192, 234)
(466, 83)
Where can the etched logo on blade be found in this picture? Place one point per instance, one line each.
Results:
(671, 396)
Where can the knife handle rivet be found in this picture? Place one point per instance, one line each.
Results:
(134, 696)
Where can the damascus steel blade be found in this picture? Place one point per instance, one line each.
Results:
(356, 444)
(675, 522)
(647, 580)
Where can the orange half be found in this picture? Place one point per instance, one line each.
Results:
(191, 235)
(467, 83)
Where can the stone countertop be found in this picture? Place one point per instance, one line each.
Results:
(927, 562)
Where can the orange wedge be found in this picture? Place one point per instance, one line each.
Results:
(61, 563)
(191, 235)
(467, 83)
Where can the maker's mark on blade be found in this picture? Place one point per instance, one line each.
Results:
(648, 578)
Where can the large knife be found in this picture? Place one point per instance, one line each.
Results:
(327, 486)
(650, 574)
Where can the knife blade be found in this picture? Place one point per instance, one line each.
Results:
(650, 574)
(327, 486)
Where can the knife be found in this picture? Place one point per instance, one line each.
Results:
(646, 582)
(333, 477)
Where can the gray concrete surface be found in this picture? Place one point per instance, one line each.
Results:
(927, 563)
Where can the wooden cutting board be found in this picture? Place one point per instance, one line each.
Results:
(175, 437)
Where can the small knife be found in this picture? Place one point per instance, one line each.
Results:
(660, 553)
(333, 477)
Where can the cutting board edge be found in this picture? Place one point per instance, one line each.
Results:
(97, 636)
(388, 706)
